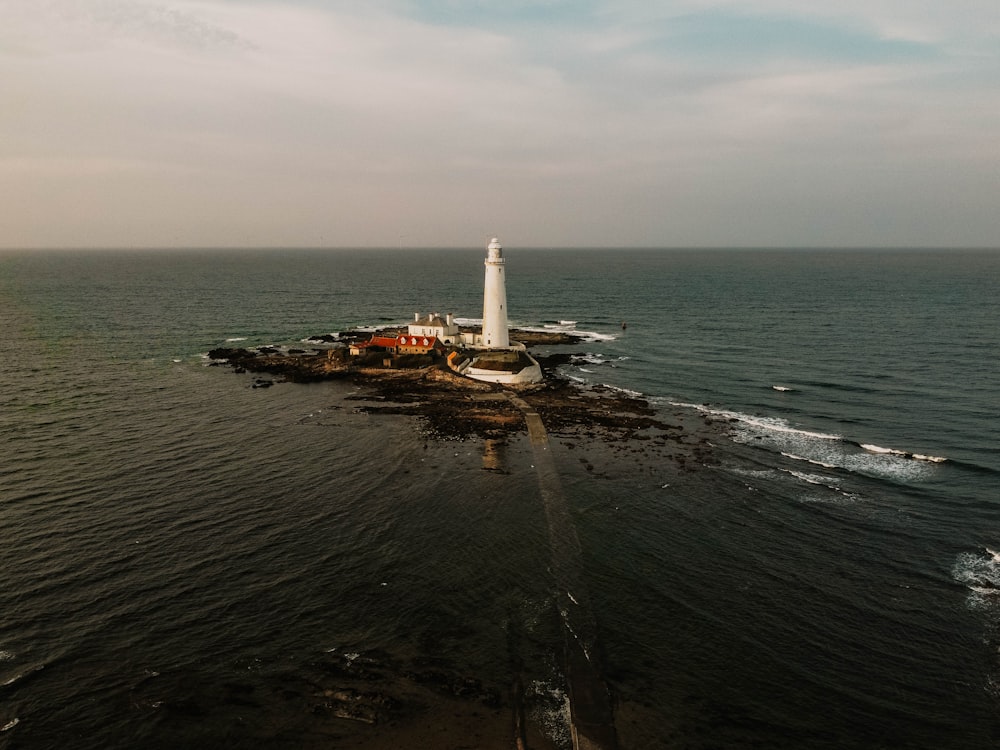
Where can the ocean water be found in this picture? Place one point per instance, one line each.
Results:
(184, 558)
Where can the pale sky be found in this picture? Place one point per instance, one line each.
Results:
(160, 123)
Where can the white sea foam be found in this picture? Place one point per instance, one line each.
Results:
(6, 655)
(559, 325)
(756, 473)
(234, 339)
(836, 495)
(821, 480)
(551, 711)
(876, 449)
(626, 391)
(905, 454)
(592, 358)
(591, 336)
(10, 724)
(817, 479)
(820, 497)
(980, 573)
(765, 424)
(782, 388)
(824, 449)
(808, 460)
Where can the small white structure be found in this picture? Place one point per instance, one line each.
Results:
(511, 367)
(444, 329)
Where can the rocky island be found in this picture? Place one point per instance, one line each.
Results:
(464, 381)
(454, 406)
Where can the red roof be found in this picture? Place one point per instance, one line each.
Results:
(406, 339)
(385, 342)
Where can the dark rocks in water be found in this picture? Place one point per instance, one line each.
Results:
(297, 368)
(224, 353)
(456, 407)
(352, 336)
(325, 338)
(544, 338)
(550, 362)
(457, 686)
(355, 705)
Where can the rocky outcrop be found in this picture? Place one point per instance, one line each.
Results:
(453, 406)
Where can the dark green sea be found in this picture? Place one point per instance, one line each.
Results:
(186, 561)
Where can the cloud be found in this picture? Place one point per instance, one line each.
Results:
(233, 122)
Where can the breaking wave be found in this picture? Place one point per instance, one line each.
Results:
(905, 454)
(980, 572)
(825, 482)
(624, 391)
(821, 488)
(596, 359)
(822, 449)
(566, 326)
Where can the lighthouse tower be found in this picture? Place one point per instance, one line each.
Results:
(495, 300)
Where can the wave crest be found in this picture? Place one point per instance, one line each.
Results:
(980, 573)
(905, 454)
(828, 450)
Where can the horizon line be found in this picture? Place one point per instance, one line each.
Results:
(168, 248)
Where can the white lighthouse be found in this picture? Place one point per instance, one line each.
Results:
(495, 300)
(495, 358)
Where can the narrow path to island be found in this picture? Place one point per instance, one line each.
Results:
(592, 720)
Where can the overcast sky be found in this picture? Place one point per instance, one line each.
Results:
(551, 123)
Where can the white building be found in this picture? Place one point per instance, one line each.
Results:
(444, 329)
